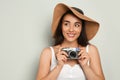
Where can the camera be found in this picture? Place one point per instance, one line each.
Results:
(72, 52)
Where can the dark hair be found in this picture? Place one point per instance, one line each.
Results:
(58, 36)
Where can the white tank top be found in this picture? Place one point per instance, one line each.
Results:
(68, 72)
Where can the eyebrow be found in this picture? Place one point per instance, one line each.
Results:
(69, 21)
(66, 21)
(79, 22)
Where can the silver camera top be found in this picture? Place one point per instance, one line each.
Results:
(72, 52)
(72, 49)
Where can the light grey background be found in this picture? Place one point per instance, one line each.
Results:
(25, 29)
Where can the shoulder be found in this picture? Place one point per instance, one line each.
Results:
(94, 55)
(46, 53)
(46, 50)
(93, 50)
(92, 47)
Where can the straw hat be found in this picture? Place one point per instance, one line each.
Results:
(91, 25)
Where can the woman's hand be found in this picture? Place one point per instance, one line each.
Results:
(61, 57)
(83, 57)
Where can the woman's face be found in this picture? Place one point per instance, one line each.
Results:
(71, 27)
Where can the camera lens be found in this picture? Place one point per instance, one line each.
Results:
(73, 54)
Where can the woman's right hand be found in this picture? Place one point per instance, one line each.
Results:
(61, 57)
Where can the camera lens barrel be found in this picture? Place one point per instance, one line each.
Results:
(73, 54)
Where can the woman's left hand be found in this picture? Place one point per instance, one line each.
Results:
(83, 57)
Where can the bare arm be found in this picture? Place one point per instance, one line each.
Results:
(93, 71)
(44, 72)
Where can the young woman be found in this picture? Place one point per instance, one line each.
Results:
(72, 57)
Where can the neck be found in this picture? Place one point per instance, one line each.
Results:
(69, 44)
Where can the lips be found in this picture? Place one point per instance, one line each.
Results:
(71, 35)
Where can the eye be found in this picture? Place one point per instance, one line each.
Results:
(77, 25)
(66, 24)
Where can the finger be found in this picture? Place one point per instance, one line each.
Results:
(64, 58)
(60, 48)
(80, 53)
(64, 53)
(61, 57)
(84, 56)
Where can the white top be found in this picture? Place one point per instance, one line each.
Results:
(68, 72)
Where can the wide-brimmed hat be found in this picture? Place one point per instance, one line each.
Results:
(90, 24)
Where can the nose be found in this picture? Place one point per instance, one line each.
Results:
(71, 28)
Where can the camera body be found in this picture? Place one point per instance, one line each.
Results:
(72, 52)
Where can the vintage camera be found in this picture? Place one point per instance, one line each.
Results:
(72, 52)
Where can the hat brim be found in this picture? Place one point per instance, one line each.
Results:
(91, 25)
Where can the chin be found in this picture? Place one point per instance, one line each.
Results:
(71, 40)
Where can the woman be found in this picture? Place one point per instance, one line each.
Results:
(71, 30)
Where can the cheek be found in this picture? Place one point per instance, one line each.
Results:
(78, 33)
(78, 30)
(64, 29)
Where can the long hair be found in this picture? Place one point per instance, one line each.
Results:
(58, 36)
